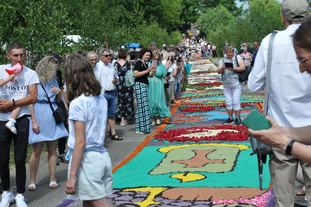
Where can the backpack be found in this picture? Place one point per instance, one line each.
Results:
(129, 79)
(243, 76)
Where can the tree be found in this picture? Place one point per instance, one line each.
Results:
(215, 18)
(37, 25)
(192, 9)
(254, 24)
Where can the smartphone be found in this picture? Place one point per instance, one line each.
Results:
(229, 65)
(256, 121)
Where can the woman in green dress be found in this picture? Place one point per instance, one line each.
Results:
(156, 95)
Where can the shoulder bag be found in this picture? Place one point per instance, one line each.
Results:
(60, 114)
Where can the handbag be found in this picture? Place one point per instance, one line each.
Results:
(243, 76)
(60, 114)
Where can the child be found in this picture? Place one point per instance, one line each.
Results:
(89, 172)
(12, 72)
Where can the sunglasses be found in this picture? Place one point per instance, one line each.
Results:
(107, 55)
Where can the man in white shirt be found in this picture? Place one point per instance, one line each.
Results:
(289, 99)
(20, 92)
(93, 59)
(108, 79)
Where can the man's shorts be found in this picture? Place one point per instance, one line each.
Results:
(111, 97)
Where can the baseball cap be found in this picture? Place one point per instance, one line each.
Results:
(294, 9)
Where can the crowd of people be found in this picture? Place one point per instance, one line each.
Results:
(29, 99)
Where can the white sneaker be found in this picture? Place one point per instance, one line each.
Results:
(11, 126)
(20, 201)
(6, 198)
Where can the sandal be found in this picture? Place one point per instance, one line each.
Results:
(32, 187)
(116, 137)
(123, 123)
(53, 184)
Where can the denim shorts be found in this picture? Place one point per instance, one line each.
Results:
(111, 97)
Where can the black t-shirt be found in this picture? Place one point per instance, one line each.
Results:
(140, 66)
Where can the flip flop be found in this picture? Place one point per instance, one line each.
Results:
(32, 187)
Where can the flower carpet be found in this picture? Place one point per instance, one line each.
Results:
(195, 160)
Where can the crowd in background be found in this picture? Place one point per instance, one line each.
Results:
(101, 94)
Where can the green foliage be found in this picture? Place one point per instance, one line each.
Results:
(37, 25)
(192, 9)
(215, 18)
(262, 17)
(152, 32)
(41, 25)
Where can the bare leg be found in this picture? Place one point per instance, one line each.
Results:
(87, 204)
(98, 203)
(230, 113)
(51, 147)
(237, 114)
(112, 126)
(34, 162)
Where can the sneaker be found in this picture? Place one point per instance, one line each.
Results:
(6, 198)
(11, 126)
(237, 121)
(229, 121)
(153, 123)
(20, 201)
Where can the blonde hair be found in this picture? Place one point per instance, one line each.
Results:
(156, 53)
(46, 68)
(229, 49)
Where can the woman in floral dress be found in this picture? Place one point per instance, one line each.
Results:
(125, 108)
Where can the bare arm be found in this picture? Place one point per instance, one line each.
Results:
(280, 137)
(34, 123)
(139, 74)
(241, 67)
(302, 152)
(221, 68)
(301, 134)
(8, 105)
(5, 81)
(78, 151)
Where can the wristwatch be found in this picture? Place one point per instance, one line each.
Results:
(289, 147)
(13, 105)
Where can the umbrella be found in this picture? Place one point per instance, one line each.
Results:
(134, 45)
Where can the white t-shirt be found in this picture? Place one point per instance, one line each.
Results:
(105, 75)
(18, 88)
(171, 70)
(92, 110)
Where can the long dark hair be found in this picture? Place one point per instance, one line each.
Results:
(302, 36)
(80, 78)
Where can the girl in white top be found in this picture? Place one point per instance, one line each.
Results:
(89, 172)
